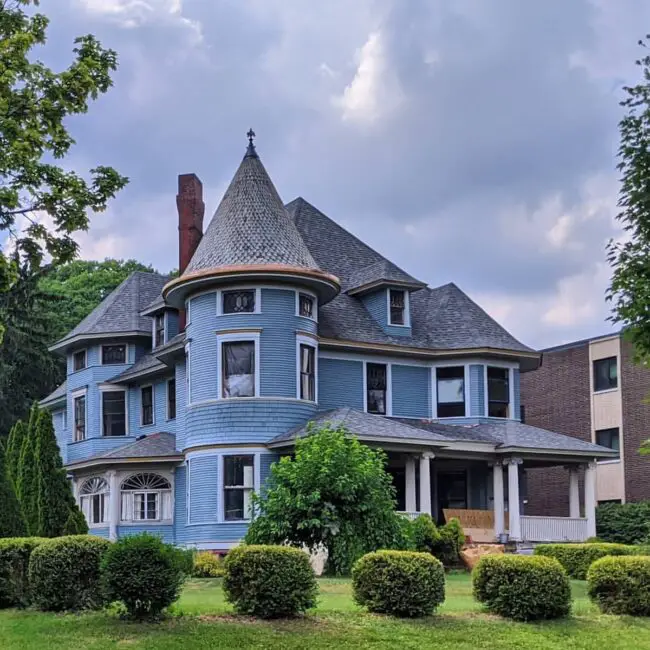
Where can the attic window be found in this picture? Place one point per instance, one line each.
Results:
(397, 307)
(159, 330)
(239, 302)
(305, 305)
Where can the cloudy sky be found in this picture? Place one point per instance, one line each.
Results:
(470, 141)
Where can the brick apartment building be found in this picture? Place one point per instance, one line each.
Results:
(591, 390)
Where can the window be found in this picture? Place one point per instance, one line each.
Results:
(159, 330)
(522, 413)
(171, 399)
(238, 486)
(113, 354)
(146, 404)
(238, 361)
(397, 307)
(376, 383)
(498, 392)
(305, 305)
(238, 302)
(79, 408)
(307, 372)
(451, 392)
(605, 374)
(114, 412)
(609, 438)
(79, 360)
(146, 497)
(94, 501)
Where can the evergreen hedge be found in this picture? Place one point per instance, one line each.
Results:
(14, 564)
(627, 523)
(621, 585)
(577, 558)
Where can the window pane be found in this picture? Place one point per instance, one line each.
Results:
(237, 302)
(113, 354)
(608, 438)
(396, 307)
(97, 509)
(451, 410)
(147, 404)
(238, 471)
(498, 388)
(605, 374)
(159, 330)
(233, 504)
(451, 388)
(239, 369)
(306, 306)
(152, 503)
(171, 399)
(307, 373)
(376, 377)
(79, 359)
(114, 413)
(80, 417)
(497, 410)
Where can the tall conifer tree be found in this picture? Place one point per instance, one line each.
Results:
(12, 455)
(11, 518)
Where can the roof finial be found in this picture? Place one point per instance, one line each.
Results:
(250, 151)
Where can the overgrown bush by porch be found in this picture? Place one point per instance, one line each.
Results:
(624, 523)
(577, 558)
(621, 585)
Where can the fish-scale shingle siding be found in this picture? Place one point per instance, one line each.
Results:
(411, 391)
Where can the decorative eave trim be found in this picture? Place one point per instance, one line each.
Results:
(537, 451)
(379, 284)
(420, 442)
(97, 462)
(148, 372)
(65, 343)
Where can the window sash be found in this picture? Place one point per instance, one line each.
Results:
(450, 390)
(114, 413)
(305, 305)
(397, 307)
(376, 388)
(307, 372)
(239, 471)
(159, 330)
(171, 399)
(605, 374)
(609, 438)
(146, 398)
(237, 503)
(498, 387)
(79, 360)
(238, 302)
(79, 404)
(113, 354)
(238, 362)
(95, 508)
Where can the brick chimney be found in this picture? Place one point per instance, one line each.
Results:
(189, 202)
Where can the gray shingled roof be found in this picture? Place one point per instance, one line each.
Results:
(155, 445)
(155, 304)
(120, 311)
(382, 271)
(56, 395)
(146, 363)
(251, 225)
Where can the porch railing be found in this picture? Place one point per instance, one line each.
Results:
(553, 529)
(409, 515)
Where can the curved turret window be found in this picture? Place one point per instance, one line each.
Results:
(93, 498)
(146, 497)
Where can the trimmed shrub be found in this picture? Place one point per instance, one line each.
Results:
(144, 573)
(621, 585)
(627, 523)
(426, 538)
(14, 565)
(186, 558)
(521, 587)
(577, 558)
(452, 538)
(269, 581)
(64, 573)
(207, 565)
(401, 583)
(76, 523)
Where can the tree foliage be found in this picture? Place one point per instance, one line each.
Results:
(334, 492)
(11, 519)
(35, 104)
(14, 447)
(26, 485)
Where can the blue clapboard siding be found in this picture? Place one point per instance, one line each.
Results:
(517, 395)
(166, 533)
(340, 383)
(99, 532)
(60, 431)
(411, 391)
(204, 502)
(172, 324)
(266, 460)
(477, 390)
(243, 420)
(93, 446)
(203, 348)
(181, 390)
(160, 423)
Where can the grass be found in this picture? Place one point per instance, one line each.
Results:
(202, 619)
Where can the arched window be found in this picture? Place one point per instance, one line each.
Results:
(146, 497)
(94, 500)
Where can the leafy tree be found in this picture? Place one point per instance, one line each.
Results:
(14, 447)
(35, 104)
(334, 492)
(26, 485)
(11, 519)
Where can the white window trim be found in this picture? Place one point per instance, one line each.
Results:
(389, 387)
(82, 392)
(153, 330)
(169, 477)
(85, 351)
(110, 345)
(407, 308)
(258, 300)
(113, 389)
(167, 399)
(153, 405)
(313, 296)
(107, 495)
(312, 343)
(434, 389)
(188, 372)
(188, 312)
(238, 337)
(511, 389)
(221, 474)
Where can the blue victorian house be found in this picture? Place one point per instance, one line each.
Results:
(181, 393)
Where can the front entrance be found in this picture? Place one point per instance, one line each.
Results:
(451, 488)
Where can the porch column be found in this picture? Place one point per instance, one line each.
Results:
(425, 482)
(411, 505)
(590, 498)
(513, 497)
(499, 498)
(574, 493)
(113, 504)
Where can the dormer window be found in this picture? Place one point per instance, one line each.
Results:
(305, 305)
(239, 302)
(159, 330)
(397, 307)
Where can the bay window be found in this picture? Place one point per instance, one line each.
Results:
(238, 369)
(307, 372)
(238, 485)
(94, 499)
(79, 409)
(450, 388)
(113, 413)
(376, 388)
(146, 497)
(498, 388)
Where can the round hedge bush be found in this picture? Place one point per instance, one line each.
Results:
(401, 583)
(269, 581)
(14, 565)
(577, 558)
(523, 588)
(207, 565)
(64, 573)
(144, 573)
(621, 585)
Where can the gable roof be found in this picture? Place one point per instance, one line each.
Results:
(119, 312)
(57, 395)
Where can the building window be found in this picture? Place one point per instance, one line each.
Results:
(146, 497)
(451, 392)
(94, 501)
(498, 380)
(307, 372)
(238, 487)
(159, 330)
(397, 299)
(113, 354)
(146, 403)
(238, 302)
(79, 360)
(376, 388)
(79, 408)
(238, 361)
(305, 305)
(114, 413)
(605, 374)
(609, 438)
(522, 413)
(171, 399)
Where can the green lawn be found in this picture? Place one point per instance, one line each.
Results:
(203, 620)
